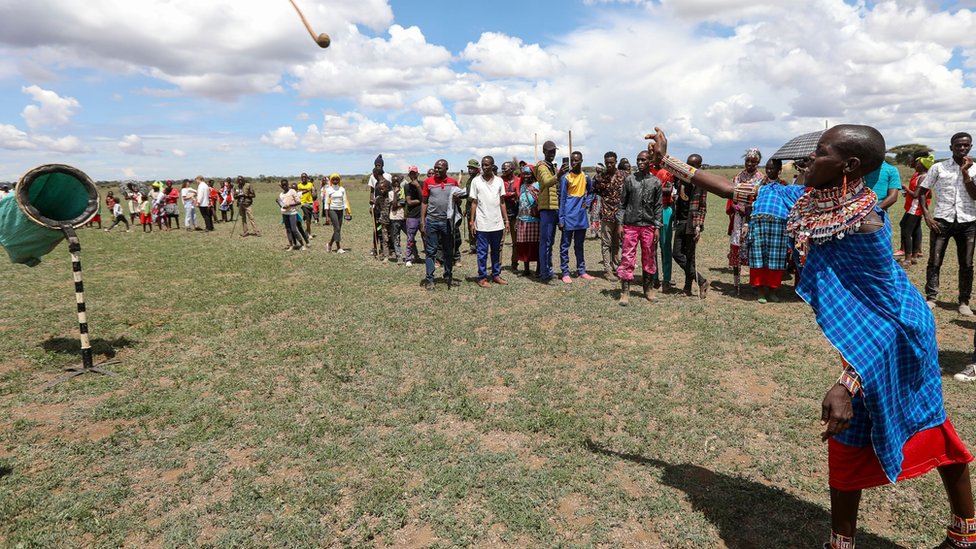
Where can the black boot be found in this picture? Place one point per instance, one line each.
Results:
(624, 293)
(647, 284)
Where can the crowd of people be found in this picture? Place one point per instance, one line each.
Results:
(884, 419)
(160, 204)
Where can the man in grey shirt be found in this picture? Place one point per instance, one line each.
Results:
(438, 213)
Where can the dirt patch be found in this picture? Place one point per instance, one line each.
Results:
(572, 518)
(239, 458)
(749, 389)
(173, 475)
(97, 430)
(503, 441)
(411, 536)
(634, 534)
(733, 458)
(494, 394)
(621, 477)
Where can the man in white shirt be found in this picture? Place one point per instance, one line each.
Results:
(4, 190)
(203, 200)
(953, 216)
(489, 221)
(189, 197)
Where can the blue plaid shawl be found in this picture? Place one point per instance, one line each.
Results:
(776, 199)
(871, 313)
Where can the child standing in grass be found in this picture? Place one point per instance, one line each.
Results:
(145, 215)
(118, 215)
(884, 418)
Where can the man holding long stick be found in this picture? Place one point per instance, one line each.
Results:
(548, 203)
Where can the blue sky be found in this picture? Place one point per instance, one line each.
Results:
(237, 87)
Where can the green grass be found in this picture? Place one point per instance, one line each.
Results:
(280, 399)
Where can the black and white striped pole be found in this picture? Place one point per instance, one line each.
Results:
(49, 202)
(87, 361)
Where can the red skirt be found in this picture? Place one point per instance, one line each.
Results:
(771, 278)
(852, 468)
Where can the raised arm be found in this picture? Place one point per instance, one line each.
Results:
(715, 184)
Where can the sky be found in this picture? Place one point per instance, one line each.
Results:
(171, 89)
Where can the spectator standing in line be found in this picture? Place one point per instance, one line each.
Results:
(203, 201)
(953, 217)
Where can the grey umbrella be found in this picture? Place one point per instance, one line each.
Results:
(139, 186)
(799, 147)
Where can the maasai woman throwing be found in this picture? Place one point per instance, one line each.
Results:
(884, 418)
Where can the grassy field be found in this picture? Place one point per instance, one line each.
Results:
(282, 399)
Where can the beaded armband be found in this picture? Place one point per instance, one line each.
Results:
(838, 541)
(744, 193)
(851, 381)
(962, 532)
(680, 170)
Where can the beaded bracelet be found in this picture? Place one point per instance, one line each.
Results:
(838, 541)
(680, 169)
(850, 381)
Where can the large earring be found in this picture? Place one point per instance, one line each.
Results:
(844, 193)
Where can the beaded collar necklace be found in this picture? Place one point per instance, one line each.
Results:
(822, 215)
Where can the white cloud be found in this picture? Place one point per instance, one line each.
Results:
(179, 153)
(12, 138)
(283, 138)
(68, 144)
(51, 110)
(383, 101)
(429, 105)
(499, 55)
(131, 144)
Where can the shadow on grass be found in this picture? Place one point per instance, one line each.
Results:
(953, 362)
(105, 347)
(747, 514)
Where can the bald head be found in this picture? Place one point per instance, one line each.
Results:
(862, 142)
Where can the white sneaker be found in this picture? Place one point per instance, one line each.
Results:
(341, 251)
(969, 374)
(930, 303)
(964, 309)
(408, 264)
(304, 248)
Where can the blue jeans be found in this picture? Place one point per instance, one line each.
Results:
(485, 241)
(548, 219)
(577, 237)
(396, 226)
(439, 234)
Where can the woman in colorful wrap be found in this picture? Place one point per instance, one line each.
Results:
(527, 224)
(884, 418)
(740, 211)
(769, 246)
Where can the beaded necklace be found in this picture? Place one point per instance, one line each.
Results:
(822, 215)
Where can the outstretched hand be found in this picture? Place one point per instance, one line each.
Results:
(657, 143)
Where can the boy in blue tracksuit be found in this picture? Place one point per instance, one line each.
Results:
(574, 201)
